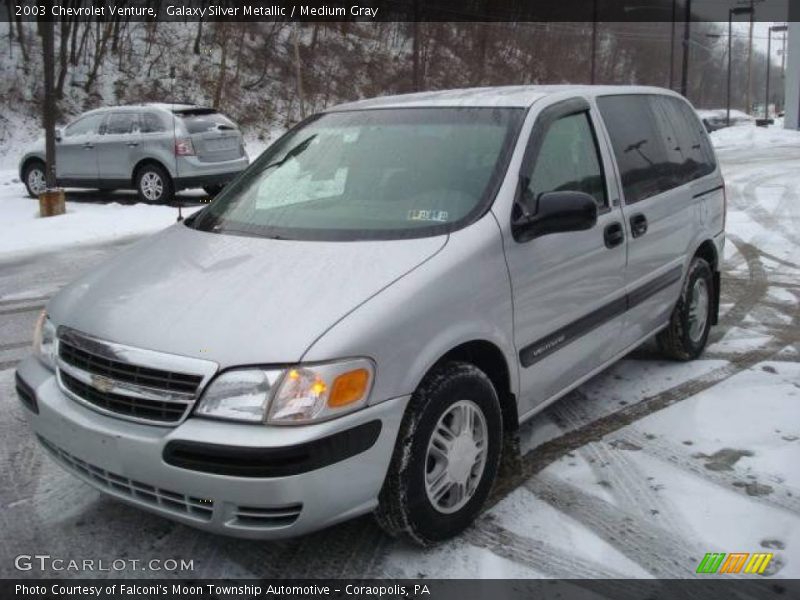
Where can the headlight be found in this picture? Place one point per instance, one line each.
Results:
(298, 395)
(44, 340)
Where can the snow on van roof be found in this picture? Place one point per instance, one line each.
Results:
(504, 96)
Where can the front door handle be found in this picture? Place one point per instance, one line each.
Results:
(88, 146)
(613, 234)
(133, 144)
(638, 225)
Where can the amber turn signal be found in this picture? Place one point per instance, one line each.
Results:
(348, 388)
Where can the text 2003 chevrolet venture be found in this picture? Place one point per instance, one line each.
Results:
(351, 325)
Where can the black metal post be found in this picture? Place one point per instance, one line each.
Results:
(672, 46)
(730, 56)
(769, 64)
(687, 19)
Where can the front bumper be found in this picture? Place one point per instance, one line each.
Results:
(126, 460)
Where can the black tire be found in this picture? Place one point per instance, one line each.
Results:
(676, 341)
(213, 190)
(30, 168)
(150, 174)
(405, 509)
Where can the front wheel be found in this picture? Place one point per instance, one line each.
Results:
(446, 457)
(35, 178)
(687, 333)
(154, 185)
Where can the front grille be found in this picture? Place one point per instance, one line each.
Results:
(152, 410)
(174, 502)
(131, 383)
(120, 371)
(259, 516)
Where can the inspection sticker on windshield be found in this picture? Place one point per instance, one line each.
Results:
(428, 215)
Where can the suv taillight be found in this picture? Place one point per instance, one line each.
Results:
(184, 147)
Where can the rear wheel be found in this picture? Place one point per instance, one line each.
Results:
(446, 457)
(35, 179)
(687, 333)
(154, 184)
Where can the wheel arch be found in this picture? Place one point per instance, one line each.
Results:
(707, 250)
(144, 162)
(26, 161)
(489, 358)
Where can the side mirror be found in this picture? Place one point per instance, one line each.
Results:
(58, 134)
(555, 212)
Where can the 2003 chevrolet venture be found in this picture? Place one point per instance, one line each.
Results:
(355, 321)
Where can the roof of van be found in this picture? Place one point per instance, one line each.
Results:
(507, 96)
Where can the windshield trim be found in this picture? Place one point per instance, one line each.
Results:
(516, 120)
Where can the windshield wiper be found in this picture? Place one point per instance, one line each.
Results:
(298, 149)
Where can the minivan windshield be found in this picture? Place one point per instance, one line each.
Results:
(371, 174)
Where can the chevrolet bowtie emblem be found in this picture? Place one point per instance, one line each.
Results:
(104, 384)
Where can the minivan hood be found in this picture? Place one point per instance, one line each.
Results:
(232, 299)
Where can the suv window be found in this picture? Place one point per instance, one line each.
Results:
(568, 160)
(151, 123)
(84, 125)
(120, 123)
(200, 121)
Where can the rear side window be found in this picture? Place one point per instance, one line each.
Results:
(152, 123)
(120, 123)
(693, 147)
(568, 160)
(657, 142)
(205, 121)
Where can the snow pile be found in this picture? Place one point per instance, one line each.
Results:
(750, 136)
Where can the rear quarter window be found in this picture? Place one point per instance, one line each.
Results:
(202, 122)
(658, 143)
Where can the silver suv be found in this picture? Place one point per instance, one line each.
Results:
(355, 321)
(156, 149)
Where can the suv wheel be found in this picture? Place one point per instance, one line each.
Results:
(446, 457)
(687, 333)
(35, 179)
(154, 185)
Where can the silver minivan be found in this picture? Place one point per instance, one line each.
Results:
(156, 149)
(355, 321)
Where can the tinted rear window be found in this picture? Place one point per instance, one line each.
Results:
(657, 142)
(205, 121)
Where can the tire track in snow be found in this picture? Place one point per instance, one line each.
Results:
(540, 556)
(781, 496)
(656, 549)
(626, 481)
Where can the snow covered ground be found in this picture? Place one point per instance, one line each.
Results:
(638, 473)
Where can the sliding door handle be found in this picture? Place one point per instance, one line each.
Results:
(638, 225)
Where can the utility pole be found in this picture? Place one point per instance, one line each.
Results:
(749, 88)
(687, 19)
(672, 46)
(593, 75)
